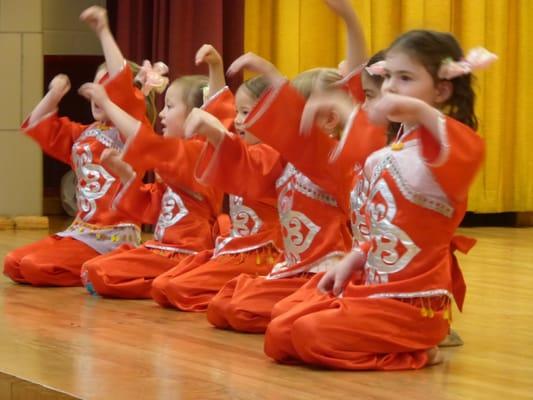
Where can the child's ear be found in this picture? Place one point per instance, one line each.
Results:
(332, 121)
(444, 91)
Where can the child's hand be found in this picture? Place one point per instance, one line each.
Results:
(342, 8)
(200, 122)
(395, 108)
(112, 161)
(94, 92)
(335, 280)
(209, 55)
(59, 86)
(320, 103)
(96, 18)
(257, 64)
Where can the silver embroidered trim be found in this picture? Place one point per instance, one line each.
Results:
(245, 249)
(384, 258)
(169, 248)
(390, 164)
(172, 211)
(93, 180)
(358, 199)
(411, 295)
(244, 222)
(109, 138)
(304, 185)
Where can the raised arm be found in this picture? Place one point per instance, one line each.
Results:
(124, 122)
(356, 49)
(57, 89)
(96, 18)
(209, 55)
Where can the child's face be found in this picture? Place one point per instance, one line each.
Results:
(98, 113)
(371, 90)
(244, 102)
(174, 113)
(406, 76)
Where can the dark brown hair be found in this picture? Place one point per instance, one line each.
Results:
(377, 79)
(431, 48)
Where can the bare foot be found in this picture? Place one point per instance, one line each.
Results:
(434, 357)
(452, 340)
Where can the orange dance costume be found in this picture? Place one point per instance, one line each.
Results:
(415, 195)
(98, 228)
(183, 210)
(314, 227)
(334, 165)
(251, 247)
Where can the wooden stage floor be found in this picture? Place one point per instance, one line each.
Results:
(62, 343)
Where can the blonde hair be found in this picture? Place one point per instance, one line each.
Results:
(316, 79)
(256, 86)
(192, 89)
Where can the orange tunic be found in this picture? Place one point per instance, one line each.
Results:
(98, 228)
(335, 166)
(416, 199)
(314, 228)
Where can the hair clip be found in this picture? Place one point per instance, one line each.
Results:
(151, 77)
(477, 58)
(376, 69)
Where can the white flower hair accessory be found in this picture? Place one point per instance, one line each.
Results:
(151, 77)
(477, 58)
(377, 69)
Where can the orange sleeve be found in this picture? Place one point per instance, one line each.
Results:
(140, 201)
(55, 135)
(359, 139)
(222, 106)
(275, 120)
(454, 157)
(124, 94)
(354, 85)
(239, 169)
(174, 158)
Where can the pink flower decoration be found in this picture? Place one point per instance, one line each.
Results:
(151, 77)
(477, 58)
(377, 68)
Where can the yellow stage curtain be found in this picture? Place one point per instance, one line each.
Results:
(300, 34)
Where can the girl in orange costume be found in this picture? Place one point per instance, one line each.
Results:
(255, 237)
(98, 229)
(396, 316)
(185, 211)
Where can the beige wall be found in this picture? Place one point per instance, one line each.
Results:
(63, 32)
(21, 74)
(29, 29)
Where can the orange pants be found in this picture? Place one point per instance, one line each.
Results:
(354, 333)
(127, 272)
(192, 284)
(53, 261)
(245, 303)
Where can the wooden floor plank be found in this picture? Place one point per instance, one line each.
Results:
(94, 348)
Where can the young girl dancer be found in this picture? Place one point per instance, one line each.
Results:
(416, 198)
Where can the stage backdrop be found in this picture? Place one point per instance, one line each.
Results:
(301, 34)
